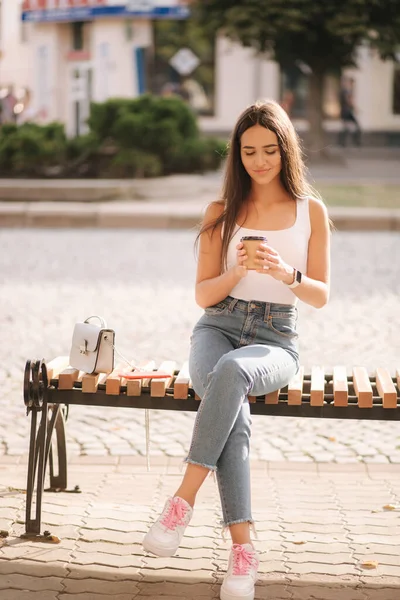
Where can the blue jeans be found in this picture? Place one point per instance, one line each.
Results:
(238, 348)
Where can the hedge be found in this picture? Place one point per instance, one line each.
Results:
(142, 137)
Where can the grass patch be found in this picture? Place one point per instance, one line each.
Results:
(371, 195)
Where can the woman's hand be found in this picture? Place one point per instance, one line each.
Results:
(272, 264)
(241, 256)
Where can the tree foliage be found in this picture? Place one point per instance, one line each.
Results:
(325, 34)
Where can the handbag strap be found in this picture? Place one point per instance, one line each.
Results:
(102, 321)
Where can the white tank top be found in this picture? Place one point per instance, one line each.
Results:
(292, 245)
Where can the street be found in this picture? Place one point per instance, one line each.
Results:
(142, 283)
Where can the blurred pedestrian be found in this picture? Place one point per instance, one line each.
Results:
(350, 125)
(28, 114)
(287, 102)
(245, 343)
(7, 106)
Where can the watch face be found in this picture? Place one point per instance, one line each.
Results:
(298, 276)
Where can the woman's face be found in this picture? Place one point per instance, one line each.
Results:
(260, 154)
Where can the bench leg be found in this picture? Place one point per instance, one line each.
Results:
(36, 471)
(58, 483)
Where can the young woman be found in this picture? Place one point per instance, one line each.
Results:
(246, 341)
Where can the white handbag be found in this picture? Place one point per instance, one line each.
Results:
(92, 349)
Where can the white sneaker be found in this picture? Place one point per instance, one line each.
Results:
(165, 535)
(241, 575)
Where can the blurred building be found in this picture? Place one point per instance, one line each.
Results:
(84, 50)
(70, 52)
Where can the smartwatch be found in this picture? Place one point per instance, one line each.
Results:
(297, 279)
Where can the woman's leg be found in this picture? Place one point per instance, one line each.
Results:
(208, 346)
(164, 536)
(221, 439)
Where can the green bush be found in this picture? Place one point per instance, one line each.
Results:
(142, 137)
(31, 149)
(196, 156)
(135, 163)
(82, 146)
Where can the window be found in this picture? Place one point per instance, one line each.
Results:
(396, 90)
(295, 89)
(78, 35)
(183, 64)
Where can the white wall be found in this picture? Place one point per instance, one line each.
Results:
(241, 78)
(114, 57)
(379, 95)
(44, 62)
(15, 65)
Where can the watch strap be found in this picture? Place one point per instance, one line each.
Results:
(297, 279)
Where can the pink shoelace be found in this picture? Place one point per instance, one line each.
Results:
(175, 514)
(243, 560)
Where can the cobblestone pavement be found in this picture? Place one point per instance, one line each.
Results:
(325, 532)
(142, 282)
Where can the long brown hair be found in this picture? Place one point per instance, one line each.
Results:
(237, 182)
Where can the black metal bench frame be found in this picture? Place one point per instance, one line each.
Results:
(42, 397)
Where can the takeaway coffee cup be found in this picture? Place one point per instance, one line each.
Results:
(251, 244)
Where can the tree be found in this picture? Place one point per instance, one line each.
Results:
(323, 34)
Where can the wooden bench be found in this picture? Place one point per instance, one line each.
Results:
(50, 389)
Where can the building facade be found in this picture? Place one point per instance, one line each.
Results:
(68, 53)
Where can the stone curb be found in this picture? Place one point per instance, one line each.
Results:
(162, 215)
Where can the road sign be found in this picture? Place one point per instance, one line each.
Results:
(185, 61)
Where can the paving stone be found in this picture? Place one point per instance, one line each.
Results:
(110, 548)
(176, 590)
(96, 596)
(273, 592)
(272, 566)
(109, 535)
(28, 595)
(16, 581)
(326, 593)
(381, 593)
(174, 562)
(100, 587)
(103, 572)
(114, 525)
(31, 568)
(375, 548)
(41, 553)
(321, 557)
(313, 547)
(176, 575)
(109, 560)
(326, 569)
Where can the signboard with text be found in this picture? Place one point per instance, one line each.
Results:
(81, 10)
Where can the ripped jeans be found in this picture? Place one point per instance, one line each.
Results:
(238, 348)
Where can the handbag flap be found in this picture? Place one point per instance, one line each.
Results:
(89, 333)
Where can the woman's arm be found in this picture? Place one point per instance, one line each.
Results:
(314, 288)
(211, 286)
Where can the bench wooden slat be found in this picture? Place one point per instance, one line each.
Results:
(398, 377)
(385, 387)
(272, 397)
(90, 382)
(362, 387)
(252, 399)
(158, 387)
(317, 386)
(340, 386)
(182, 383)
(114, 380)
(295, 388)
(134, 386)
(56, 365)
(67, 377)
